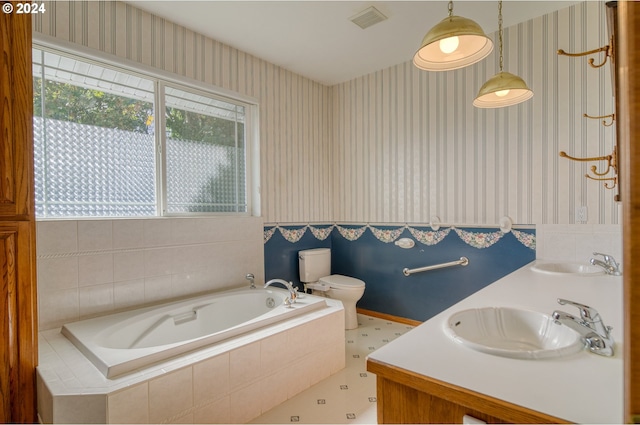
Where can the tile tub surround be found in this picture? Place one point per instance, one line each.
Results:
(211, 385)
(348, 396)
(93, 267)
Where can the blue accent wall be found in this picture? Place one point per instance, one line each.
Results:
(281, 256)
(419, 296)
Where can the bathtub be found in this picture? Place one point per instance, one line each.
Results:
(120, 343)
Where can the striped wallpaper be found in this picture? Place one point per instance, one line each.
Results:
(399, 145)
(408, 144)
(295, 114)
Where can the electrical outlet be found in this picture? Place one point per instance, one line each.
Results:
(581, 214)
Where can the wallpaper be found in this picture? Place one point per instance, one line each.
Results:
(295, 115)
(399, 145)
(409, 145)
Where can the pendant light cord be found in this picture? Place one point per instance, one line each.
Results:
(500, 30)
(450, 8)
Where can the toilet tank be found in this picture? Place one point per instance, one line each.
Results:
(314, 264)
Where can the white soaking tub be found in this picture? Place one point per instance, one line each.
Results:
(123, 342)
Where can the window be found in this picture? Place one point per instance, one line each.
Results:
(205, 154)
(99, 150)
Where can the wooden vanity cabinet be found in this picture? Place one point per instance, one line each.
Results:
(407, 397)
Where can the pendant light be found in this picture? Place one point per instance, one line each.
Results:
(453, 43)
(504, 88)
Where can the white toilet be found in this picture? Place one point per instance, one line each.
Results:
(315, 269)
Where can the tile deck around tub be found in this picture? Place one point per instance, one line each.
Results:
(348, 396)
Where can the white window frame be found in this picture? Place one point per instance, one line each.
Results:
(161, 79)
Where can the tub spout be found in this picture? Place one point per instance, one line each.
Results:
(250, 277)
(293, 294)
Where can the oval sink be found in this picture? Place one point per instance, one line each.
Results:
(514, 333)
(567, 268)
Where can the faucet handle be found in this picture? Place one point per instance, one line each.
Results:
(586, 312)
(607, 258)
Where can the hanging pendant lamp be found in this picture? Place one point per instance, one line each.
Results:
(453, 43)
(504, 88)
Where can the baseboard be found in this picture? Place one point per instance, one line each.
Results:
(389, 317)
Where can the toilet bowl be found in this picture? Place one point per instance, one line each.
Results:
(315, 268)
(348, 290)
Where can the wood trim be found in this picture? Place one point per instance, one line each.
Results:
(8, 328)
(627, 119)
(16, 105)
(389, 317)
(19, 334)
(466, 398)
(19, 330)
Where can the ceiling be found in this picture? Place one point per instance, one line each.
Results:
(316, 39)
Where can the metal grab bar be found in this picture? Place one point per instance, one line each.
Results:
(463, 261)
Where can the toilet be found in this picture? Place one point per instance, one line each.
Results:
(315, 274)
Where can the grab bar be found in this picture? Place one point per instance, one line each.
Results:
(463, 261)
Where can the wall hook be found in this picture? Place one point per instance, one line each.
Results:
(604, 121)
(608, 52)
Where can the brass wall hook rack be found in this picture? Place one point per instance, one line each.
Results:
(612, 164)
(608, 53)
(604, 121)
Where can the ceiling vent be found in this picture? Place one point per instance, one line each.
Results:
(368, 17)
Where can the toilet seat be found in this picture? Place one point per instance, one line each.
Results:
(337, 281)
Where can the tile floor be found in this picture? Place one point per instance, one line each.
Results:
(348, 396)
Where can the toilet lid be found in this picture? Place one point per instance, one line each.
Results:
(339, 281)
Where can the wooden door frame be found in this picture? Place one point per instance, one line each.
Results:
(19, 329)
(629, 125)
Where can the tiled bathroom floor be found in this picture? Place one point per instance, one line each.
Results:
(348, 396)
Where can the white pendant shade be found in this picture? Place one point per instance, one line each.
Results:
(503, 89)
(453, 43)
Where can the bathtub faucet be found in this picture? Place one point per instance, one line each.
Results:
(293, 293)
(250, 277)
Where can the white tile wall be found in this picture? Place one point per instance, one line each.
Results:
(90, 267)
(577, 242)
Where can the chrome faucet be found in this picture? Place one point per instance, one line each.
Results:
(293, 293)
(590, 326)
(609, 264)
(251, 278)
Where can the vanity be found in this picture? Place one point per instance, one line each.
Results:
(425, 376)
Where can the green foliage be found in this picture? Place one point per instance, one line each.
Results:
(67, 102)
(187, 125)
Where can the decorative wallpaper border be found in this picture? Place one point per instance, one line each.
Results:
(475, 239)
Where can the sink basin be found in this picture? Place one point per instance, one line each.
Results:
(576, 269)
(515, 333)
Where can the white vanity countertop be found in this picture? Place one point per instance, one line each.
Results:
(582, 387)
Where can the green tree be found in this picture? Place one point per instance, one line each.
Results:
(187, 125)
(68, 102)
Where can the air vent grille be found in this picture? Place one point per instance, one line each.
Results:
(368, 17)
